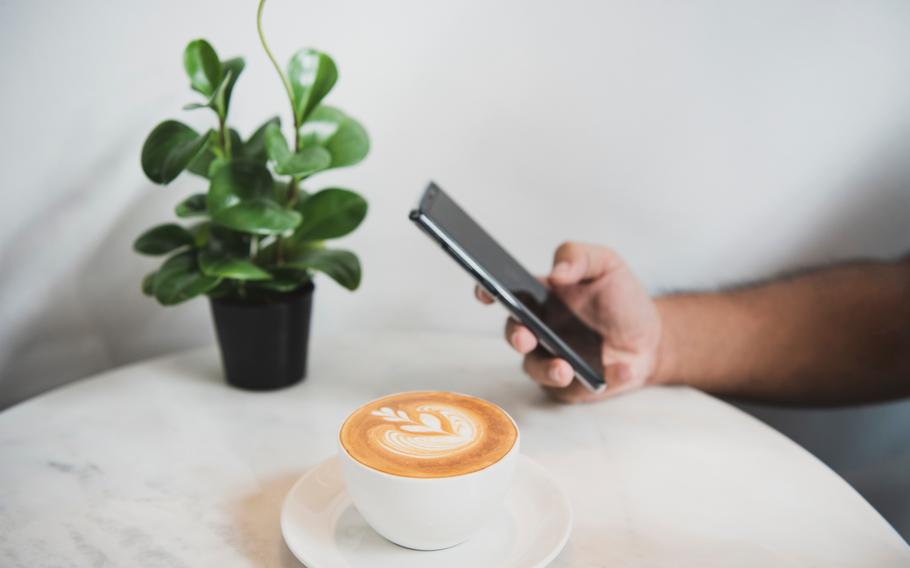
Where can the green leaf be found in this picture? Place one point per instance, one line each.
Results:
(179, 279)
(201, 233)
(312, 74)
(236, 181)
(163, 239)
(329, 214)
(216, 103)
(201, 163)
(225, 289)
(284, 280)
(228, 242)
(307, 161)
(207, 162)
(169, 149)
(202, 66)
(258, 216)
(216, 263)
(254, 149)
(192, 206)
(340, 265)
(344, 138)
(232, 69)
(148, 284)
(221, 97)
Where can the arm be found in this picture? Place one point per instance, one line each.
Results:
(835, 336)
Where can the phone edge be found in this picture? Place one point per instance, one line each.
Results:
(505, 298)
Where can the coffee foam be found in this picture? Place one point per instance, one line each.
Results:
(428, 434)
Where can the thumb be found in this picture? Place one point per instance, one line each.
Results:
(575, 262)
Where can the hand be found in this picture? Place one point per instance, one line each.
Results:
(598, 286)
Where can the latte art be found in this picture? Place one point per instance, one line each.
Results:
(428, 434)
(439, 431)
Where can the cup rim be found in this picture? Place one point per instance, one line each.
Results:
(512, 450)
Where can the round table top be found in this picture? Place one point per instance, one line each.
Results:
(162, 464)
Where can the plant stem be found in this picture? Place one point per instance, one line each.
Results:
(268, 52)
(292, 185)
(291, 199)
(292, 192)
(225, 137)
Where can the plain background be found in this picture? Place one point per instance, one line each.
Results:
(709, 142)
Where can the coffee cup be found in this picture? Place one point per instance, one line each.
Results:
(428, 469)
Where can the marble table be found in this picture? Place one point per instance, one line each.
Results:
(161, 464)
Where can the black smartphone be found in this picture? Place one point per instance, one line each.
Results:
(558, 329)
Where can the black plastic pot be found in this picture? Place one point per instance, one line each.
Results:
(264, 345)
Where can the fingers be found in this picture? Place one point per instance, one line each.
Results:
(482, 295)
(548, 371)
(575, 262)
(618, 377)
(520, 337)
(575, 393)
(557, 377)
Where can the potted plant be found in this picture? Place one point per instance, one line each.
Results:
(253, 241)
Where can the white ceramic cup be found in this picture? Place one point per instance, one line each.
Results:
(428, 513)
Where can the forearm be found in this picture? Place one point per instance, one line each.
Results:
(835, 336)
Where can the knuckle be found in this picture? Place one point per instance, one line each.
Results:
(610, 257)
(568, 248)
(604, 250)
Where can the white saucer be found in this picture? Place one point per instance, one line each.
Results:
(323, 529)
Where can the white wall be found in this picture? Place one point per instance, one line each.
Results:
(709, 142)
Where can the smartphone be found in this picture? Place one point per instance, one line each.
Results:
(559, 331)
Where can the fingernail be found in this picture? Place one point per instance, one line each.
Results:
(555, 374)
(561, 269)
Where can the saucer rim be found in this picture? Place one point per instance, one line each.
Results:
(524, 462)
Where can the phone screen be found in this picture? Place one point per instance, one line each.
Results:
(508, 273)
